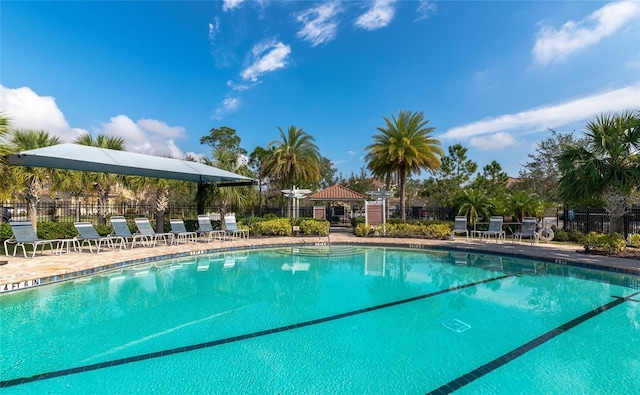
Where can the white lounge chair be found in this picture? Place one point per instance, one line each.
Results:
(205, 229)
(25, 234)
(145, 228)
(231, 227)
(180, 232)
(495, 229)
(460, 227)
(527, 230)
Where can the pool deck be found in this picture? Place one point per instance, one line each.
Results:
(20, 272)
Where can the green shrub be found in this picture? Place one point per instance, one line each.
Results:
(269, 216)
(439, 231)
(277, 227)
(605, 243)
(355, 221)
(634, 240)
(5, 231)
(362, 230)
(57, 230)
(318, 227)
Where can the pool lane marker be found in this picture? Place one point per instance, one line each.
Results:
(179, 350)
(475, 374)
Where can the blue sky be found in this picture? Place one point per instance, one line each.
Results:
(493, 76)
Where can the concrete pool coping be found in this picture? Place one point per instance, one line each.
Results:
(20, 272)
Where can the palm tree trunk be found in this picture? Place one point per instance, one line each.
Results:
(162, 201)
(32, 197)
(617, 208)
(402, 179)
(103, 202)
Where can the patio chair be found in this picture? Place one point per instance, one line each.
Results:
(25, 234)
(205, 229)
(120, 228)
(528, 229)
(180, 232)
(145, 228)
(495, 229)
(460, 227)
(231, 227)
(89, 234)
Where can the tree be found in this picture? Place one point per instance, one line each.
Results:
(257, 159)
(455, 172)
(474, 203)
(294, 159)
(361, 183)
(494, 182)
(224, 138)
(405, 147)
(607, 168)
(6, 183)
(100, 182)
(540, 175)
(32, 177)
(523, 203)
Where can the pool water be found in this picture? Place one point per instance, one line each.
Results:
(354, 320)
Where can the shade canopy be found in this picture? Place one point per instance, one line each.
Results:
(86, 158)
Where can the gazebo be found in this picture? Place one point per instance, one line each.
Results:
(336, 197)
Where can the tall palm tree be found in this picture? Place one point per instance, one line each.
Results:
(295, 158)
(474, 203)
(31, 177)
(101, 182)
(607, 168)
(404, 146)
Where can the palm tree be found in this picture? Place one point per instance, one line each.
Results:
(293, 159)
(102, 182)
(31, 177)
(6, 183)
(607, 168)
(524, 204)
(404, 147)
(474, 203)
(230, 196)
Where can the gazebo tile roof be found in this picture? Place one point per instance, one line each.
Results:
(337, 192)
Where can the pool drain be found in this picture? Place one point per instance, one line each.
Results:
(456, 325)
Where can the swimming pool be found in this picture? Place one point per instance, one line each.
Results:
(303, 320)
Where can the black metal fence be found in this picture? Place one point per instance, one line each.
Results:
(597, 220)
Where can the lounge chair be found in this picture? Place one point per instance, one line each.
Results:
(460, 227)
(205, 229)
(180, 232)
(25, 234)
(120, 228)
(495, 229)
(528, 229)
(231, 227)
(89, 234)
(145, 228)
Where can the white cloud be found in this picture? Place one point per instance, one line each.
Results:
(228, 105)
(229, 5)
(147, 136)
(425, 9)
(269, 56)
(239, 87)
(552, 44)
(492, 142)
(319, 23)
(214, 29)
(552, 116)
(352, 153)
(379, 15)
(28, 110)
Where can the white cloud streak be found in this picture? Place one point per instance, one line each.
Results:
(319, 23)
(214, 29)
(425, 9)
(552, 116)
(493, 142)
(268, 57)
(378, 16)
(229, 5)
(229, 105)
(555, 45)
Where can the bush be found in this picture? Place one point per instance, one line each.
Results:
(438, 231)
(362, 230)
(355, 221)
(277, 227)
(634, 240)
(58, 230)
(559, 234)
(314, 227)
(610, 244)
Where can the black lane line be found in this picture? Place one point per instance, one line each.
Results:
(179, 350)
(475, 374)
